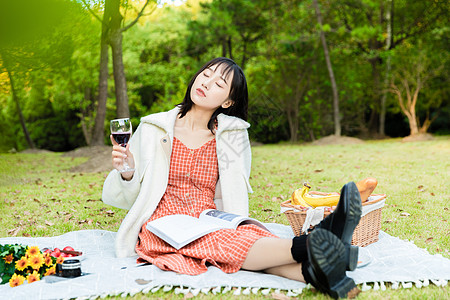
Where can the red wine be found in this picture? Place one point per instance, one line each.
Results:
(122, 138)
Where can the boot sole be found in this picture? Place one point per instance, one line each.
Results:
(352, 257)
(354, 211)
(327, 267)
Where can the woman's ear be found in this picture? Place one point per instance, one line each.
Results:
(227, 103)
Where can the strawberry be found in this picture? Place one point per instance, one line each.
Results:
(68, 248)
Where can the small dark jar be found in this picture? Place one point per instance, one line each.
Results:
(71, 268)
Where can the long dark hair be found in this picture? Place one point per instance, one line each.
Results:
(238, 92)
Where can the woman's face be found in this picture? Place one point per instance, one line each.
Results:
(211, 89)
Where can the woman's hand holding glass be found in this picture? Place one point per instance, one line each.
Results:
(119, 154)
(122, 158)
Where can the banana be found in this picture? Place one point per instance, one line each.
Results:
(303, 198)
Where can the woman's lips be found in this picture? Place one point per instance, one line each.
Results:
(200, 92)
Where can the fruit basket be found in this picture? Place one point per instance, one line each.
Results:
(367, 230)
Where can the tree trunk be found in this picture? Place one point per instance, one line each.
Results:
(381, 129)
(375, 62)
(337, 122)
(98, 137)
(244, 52)
(413, 127)
(16, 100)
(120, 82)
(230, 48)
(292, 116)
(408, 107)
(224, 48)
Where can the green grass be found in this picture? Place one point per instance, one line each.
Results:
(40, 197)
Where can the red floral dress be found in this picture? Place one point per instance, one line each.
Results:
(192, 180)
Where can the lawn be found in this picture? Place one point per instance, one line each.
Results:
(41, 198)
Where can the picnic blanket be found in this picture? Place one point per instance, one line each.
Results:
(388, 260)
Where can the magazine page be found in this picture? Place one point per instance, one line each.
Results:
(180, 230)
(231, 219)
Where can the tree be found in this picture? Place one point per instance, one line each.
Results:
(389, 9)
(286, 79)
(413, 70)
(336, 116)
(112, 31)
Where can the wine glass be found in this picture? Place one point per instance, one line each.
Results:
(121, 132)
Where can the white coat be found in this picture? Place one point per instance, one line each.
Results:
(151, 148)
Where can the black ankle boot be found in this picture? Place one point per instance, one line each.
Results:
(326, 265)
(343, 221)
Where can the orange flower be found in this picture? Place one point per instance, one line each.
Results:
(36, 261)
(32, 251)
(60, 260)
(50, 271)
(33, 277)
(22, 263)
(8, 258)
(48, 260)
(16, 280)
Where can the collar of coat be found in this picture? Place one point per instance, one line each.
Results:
(166, 120)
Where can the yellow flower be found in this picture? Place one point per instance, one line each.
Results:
(22, 263)
(36, 261)
(48, 260)
(50, 271)
(33, 277)
(32, 251)
(16, 280)
(8, 258)
(60, 260)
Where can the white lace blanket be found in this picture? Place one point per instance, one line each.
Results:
(388, 260)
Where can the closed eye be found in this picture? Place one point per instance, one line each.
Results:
(218, 85)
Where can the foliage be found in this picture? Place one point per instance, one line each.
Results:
(160, 73)
(36, 62)
(55, 68)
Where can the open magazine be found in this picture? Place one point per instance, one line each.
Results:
(180, 230)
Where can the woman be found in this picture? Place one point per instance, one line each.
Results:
(197, 156)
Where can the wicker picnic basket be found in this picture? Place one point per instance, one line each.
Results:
(366, 232)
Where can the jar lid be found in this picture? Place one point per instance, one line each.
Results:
(71, 264)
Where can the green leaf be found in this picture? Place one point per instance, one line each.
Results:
(2, 266)
(6, 278)
(326, 27)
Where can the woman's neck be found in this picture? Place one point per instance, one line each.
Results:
(195, 119)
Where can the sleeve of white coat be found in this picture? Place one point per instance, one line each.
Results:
(235, 164)
(118, 192)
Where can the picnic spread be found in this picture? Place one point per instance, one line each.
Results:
(389, 260)
(91, 268)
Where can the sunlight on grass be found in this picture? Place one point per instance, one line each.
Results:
(40, 198)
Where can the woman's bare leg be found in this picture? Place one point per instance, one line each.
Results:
(267, 253)
(291, 271)
(273, 256)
